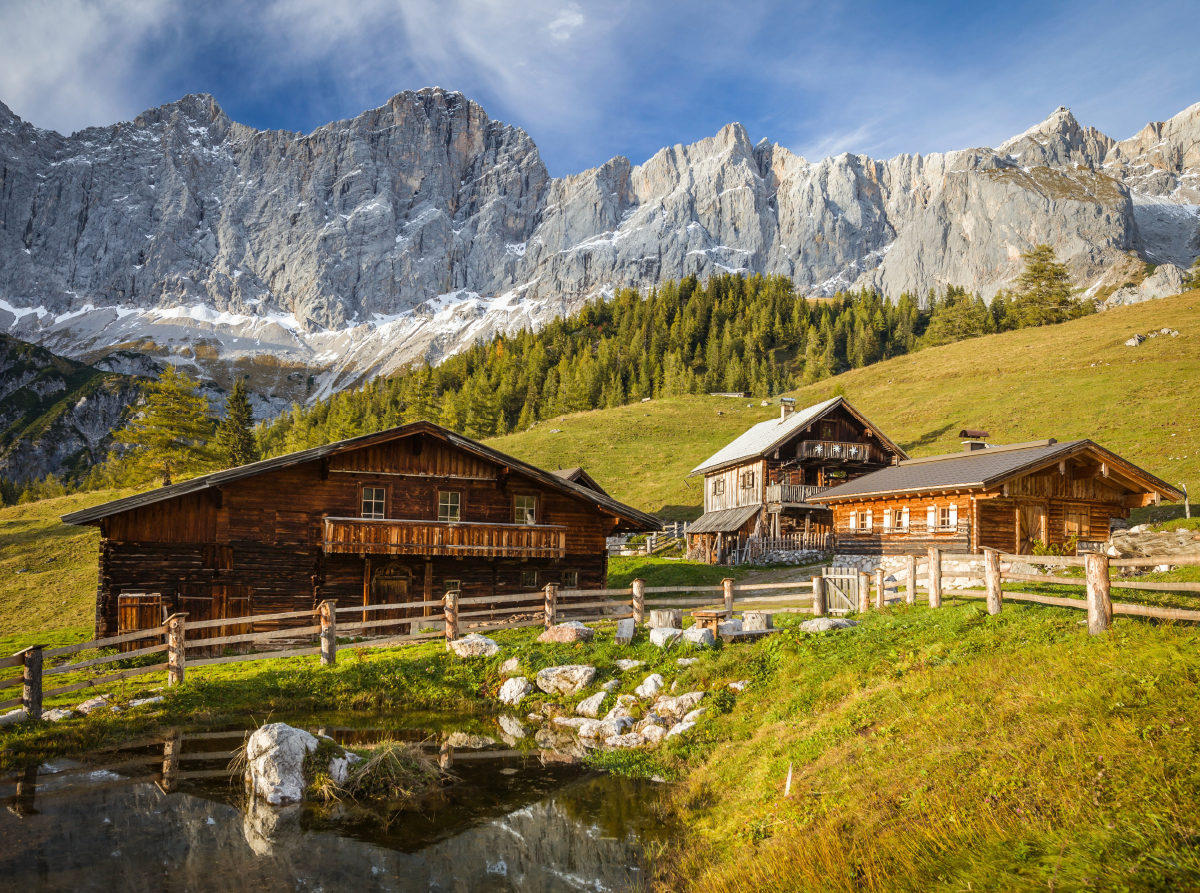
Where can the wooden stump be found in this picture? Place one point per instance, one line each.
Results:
(864, 592)
(551, 604)
(639, 601)
(935, 577)
(727, 585)
(451, 600)
(176, 649)
(327, 612)
(818, 596)
(1099, 593)
(991, 568)
(910, 589)
(666, 618)
(31, 682)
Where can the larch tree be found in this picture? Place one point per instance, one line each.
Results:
(169, 436)
(235, 435)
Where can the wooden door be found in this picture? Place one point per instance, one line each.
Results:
(138, 610)
(196, 600)
(390, 584)
(1031, 526)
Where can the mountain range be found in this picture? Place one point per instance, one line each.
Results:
(305, 263)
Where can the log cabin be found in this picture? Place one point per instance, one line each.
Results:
(762, 483)
(404, 515)
(1009, 497)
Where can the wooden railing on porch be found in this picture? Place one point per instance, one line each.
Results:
(792, 493)
(360, 536)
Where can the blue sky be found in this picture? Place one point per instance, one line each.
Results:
(590, 80)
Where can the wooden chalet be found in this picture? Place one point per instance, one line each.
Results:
(404, 515)
(998, 497)
(763, 483)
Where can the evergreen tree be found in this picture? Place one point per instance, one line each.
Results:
(956, 317)
(235, 442)
(169, 437)
(1043, 293)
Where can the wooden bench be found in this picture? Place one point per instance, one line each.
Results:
(746, 635)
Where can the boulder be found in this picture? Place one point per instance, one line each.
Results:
(663, 636)
(730, 626)
(699, 637)
(467, 741)
(623, 707)
(571, 631)
(756, 620)
(629, 739)
(677, 708)
(142, 702)
(650, 686)
(511, 667)
(569, 722)
(1135, 341)
(611, 685)
(94, 703)
(590, 706)
(565, 680)
(514, 690)
(275, 762)
(626, 629)
(653, 734)
(651, 719)
(825, 624)
(624, 665)
(58, 714)
(475, 645)
(686, 661)
(13, 716)
(680, 729)
(695, 714)
(665, 619)
(511, 726)
(604, 728)
(739, 686)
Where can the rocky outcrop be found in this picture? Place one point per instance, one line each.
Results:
(275, 763)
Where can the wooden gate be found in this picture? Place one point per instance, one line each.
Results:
(841, 589)
(138, 610)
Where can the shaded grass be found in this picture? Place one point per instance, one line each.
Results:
(623, 570)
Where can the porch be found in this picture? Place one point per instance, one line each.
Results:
(360, 536)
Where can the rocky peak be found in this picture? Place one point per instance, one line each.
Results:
(1058, 140)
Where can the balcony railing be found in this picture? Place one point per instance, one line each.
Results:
(792, 493)
(916, 528)
(837, 451)
(359, 536)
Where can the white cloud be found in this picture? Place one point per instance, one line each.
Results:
(565, 24)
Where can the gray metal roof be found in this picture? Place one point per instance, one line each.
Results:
(766, 436)
(640, 521)
(979, 469)
(725, 520)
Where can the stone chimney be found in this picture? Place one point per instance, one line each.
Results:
(787, 406)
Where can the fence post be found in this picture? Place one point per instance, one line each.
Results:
(551, 604)
(880, 593)
(451, 600)
(172, 745)
(991, 566)
(935, 577)
(328, 632)
(818, 596)
(1099, 588)
(910, 590)
(176, 649)
(31, 681)
(639, 601)
(864, 592)
(727, 585)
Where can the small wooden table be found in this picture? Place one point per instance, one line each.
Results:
(711, 619)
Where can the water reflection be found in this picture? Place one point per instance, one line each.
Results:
(171, 815)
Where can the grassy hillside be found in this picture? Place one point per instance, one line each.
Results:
(1066, 381)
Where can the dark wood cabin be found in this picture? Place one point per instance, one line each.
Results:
(579, 476)
(763, 482)
(400, 516)
(998, 497)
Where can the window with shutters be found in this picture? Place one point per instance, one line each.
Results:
(870, 519)
(449, 505)
(903, 522)
(718, 486)
(931, 517)
(854, 520)
(374, 503)
(1075, 525)
(943, 516)
(887, 519)
(747, 480)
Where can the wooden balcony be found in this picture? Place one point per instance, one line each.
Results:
(359, 536)
(791, 494)
(836, 451)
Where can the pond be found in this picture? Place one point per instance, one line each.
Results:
(172, 814)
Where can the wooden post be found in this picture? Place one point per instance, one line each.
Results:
(639, 601)
(328, 632)
(880, 592)
(991, 568)
(1099, 587)
(727, 584)
(864, 592)
(451, 600)
(31, 690)
(910, 590)
(551, 604)
(176, 649)
(26, 791)
(818, 596)
(172, 745)
(935, 577)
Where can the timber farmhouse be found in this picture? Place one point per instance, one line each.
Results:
(404, 515)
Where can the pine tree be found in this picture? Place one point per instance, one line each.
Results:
(235, 438)
(1043, 292)
(169, 437)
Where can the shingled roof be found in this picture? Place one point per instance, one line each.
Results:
(983, 469)
(638, 520)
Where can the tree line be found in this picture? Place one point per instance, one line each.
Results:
(731, 333)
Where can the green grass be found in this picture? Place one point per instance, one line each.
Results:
(1067, 381)
(622, 571)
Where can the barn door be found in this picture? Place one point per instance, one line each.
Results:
(1031, 526)
(138, 610)
(391, 584)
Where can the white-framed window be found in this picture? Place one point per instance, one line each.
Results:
(887, 519)
(931, 517)
(718, 486)
(529, 580)
(374, 503)
(570, 580)
(903, 522)
(524, 509)
(449, 505)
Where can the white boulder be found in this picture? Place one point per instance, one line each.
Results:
(611, 685)
(677, 708)
(94, 703)
(475, 645)
(142, 702)
(680, 729)
(565, 680)
(58, 714)
(570, 722)
(650, 686)
(629, 739)
(700, 638)
(825, 624)
(730, 626)
(590, 706)
(686, 661)
(275, 762)
(695, 715)
(625, 665)
(740, 685)
(663, 636)
(511, 667)
(571, 631)
(626, 629)
(653, 734)
(514, 690)
(12, 716)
